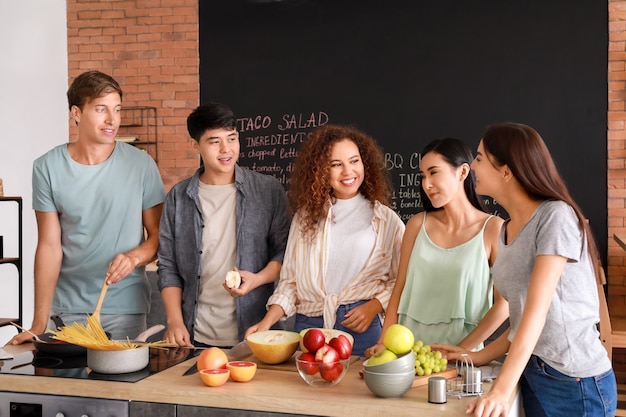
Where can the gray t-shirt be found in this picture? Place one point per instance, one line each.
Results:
(569, 341)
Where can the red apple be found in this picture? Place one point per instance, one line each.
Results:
(342, 345)
(326, 355)
(308, 364)
(313, 340)
(331, 372)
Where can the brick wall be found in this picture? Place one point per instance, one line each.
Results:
(151, 48)
(616, 155)
(617, 169)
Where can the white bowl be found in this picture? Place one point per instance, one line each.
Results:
(388, 385)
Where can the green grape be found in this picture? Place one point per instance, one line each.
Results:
(428, 361)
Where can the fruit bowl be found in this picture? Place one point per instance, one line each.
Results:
(273, 346)
(388, 385)
(404, 363)
(322, 374)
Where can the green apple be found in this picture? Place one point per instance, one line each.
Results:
(399, 339)
(381, 357)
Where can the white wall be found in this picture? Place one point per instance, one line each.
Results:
(33, 119)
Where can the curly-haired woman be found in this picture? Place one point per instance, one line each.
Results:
(344, 243)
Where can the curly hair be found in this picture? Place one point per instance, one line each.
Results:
(310, 189)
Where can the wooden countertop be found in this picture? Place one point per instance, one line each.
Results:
(621, 239)
(270, 390)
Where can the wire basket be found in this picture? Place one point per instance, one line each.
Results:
(468, 381)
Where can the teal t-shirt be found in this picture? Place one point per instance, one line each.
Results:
(100, 211)
(447, 291)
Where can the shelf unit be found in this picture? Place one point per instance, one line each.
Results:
(140, 122)
(15, 261)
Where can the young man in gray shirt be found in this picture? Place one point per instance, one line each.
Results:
(222, 218)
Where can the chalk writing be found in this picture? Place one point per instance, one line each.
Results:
(303, 121)
(270, 142)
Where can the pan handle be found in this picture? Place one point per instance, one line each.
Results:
(58, 321)
(143, 336)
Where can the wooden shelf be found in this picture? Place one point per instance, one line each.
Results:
(9, 260)
(5, 321)
(17, 262)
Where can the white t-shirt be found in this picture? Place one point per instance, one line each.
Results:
(352, 239)
(216, 319)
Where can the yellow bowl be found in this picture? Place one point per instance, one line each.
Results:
(214, 377)
(241, 371)
(273, 346)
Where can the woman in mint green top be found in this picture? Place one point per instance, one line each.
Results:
(443, 289)
(447, 290)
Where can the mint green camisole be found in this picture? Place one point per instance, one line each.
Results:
(447, 291)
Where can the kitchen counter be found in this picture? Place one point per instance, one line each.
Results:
(269, 391)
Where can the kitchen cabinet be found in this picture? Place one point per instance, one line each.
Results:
(15, 261)
(138, 127)
(192, 411)
(141, 409)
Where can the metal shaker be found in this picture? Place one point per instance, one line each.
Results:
(473, 383)
(437, 390)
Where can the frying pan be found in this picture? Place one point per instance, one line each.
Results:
(51, 346)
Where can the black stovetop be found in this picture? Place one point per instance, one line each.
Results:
(75, 366)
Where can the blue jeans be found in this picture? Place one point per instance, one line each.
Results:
(119, 326)
(361, 340)
(548, 392)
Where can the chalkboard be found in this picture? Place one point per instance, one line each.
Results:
(407, 72)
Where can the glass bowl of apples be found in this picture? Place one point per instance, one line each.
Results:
(323, 362)
(320, 373)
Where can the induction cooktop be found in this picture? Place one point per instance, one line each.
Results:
(75, 366)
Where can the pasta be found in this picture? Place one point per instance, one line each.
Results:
(92, 336)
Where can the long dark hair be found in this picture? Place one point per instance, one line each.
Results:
(455, 153)
(523, 150)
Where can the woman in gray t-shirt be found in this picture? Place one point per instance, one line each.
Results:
(545, 269)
